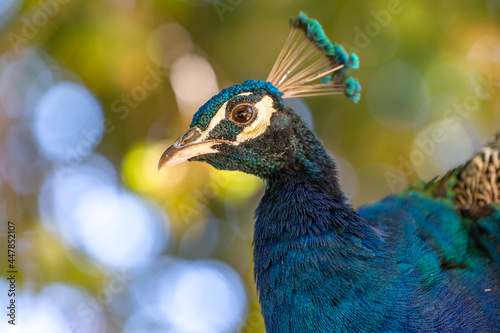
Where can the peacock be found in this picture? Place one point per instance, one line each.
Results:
(423, 260)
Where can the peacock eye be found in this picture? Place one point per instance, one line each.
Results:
(242, 114)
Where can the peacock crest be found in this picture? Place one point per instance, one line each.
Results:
(309, 64)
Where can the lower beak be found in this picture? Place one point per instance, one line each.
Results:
(187, 146)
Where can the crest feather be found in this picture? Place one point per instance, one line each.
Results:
(310, 65)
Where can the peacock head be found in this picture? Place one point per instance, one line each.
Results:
(249, 127)
(246, 127)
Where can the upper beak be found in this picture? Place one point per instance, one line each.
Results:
(188, 145)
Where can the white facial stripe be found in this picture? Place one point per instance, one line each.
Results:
(265, 111)
(221, 114)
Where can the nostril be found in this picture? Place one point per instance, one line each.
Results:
(189, 136)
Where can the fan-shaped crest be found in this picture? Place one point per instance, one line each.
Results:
(310, 65)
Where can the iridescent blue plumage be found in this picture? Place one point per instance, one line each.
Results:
(409, 263)
(395, 267)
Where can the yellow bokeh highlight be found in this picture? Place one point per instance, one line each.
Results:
(140, 170)
(240, 187)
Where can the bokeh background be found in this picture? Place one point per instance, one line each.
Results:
(92, 92)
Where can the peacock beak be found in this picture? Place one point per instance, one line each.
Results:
(190, 144)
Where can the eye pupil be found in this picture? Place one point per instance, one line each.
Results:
(242, 114)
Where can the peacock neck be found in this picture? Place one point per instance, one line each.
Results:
(304, 204)
(308, 163)
(310, 247)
